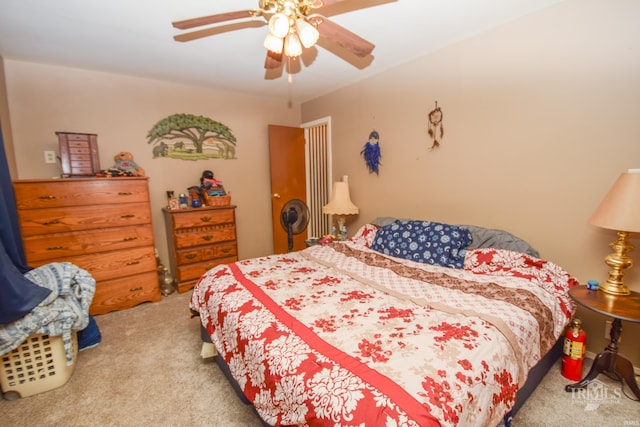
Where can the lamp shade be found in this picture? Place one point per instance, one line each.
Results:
(279, 25)
(340, 203)
(273, 43)
(292, 46)
(620, 208)
(307, 33)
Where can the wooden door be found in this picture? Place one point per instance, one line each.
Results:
(288, 180)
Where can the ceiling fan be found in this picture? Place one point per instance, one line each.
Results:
(293, 25)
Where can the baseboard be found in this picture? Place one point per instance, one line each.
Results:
(591, 355)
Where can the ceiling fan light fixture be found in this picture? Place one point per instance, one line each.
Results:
(279, 25)
(292, 46)
(273, 43)
(308, 33)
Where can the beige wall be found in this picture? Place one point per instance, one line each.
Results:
(540, 117)
(5, 121)
(121, 110)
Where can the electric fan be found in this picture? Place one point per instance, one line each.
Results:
(294, 218)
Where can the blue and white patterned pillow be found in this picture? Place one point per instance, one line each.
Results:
(424, 241)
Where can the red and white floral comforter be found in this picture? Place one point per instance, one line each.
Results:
(340, 335)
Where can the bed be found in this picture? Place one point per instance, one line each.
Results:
(408, 323)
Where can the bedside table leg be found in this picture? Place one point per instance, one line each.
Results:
(624, 369)
(602, 363)
(613, 365)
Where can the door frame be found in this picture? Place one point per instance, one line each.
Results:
(329, 167)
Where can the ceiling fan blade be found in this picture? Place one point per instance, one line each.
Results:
(213, 19)
(206, 32)
(273, 60)
(337, 7)
(329, 2)
(345, 38)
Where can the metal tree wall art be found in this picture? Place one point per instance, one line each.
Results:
(436, 129)
(190, 137)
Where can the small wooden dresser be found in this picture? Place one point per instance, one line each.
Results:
(102, 225)
(199, 239)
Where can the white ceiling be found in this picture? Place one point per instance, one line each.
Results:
(135, 37)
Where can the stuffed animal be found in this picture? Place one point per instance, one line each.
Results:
(124, 162)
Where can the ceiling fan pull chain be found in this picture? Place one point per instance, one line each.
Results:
(289, 82)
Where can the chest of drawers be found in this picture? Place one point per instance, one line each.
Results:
(102, 225)
(198, 240)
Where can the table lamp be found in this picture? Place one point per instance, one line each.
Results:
(340, 204)
(619, 211)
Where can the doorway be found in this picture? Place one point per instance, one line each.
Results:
(300, 160)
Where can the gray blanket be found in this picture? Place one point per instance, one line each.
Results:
(64, 311)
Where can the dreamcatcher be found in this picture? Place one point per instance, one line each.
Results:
(436, 130)
(371, 152)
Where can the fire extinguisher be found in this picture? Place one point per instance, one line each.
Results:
(575, 344)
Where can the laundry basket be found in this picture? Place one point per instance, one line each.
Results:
(37, 365)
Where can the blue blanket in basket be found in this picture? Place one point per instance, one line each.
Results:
(64, 311)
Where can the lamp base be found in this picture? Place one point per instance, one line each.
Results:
(341, 228)
(618, 261)
(614, 289)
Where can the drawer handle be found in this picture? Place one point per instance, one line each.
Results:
(55, 248)
(55, 221)
(226, 250)
(124, 193)
(127, 216)
(190, 256)
(128, 239)
(46, 197)
(139, 288)
(207, 237)
(205, 219)
(133, 262)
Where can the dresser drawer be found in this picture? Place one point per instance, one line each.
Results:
(34, 194)
(59, 220)
(206, 237)
(125, 292)
(202, 218)
(111, 265)
(64, 245)
(194, 271)
(189, 256)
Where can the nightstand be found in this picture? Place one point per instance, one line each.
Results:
(609, 361)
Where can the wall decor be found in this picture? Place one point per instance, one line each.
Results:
(436, 130)
(191, 137)
(371, 152)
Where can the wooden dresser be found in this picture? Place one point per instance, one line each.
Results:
(199, 239)
(102, 225)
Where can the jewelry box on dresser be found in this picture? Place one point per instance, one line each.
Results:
(199, 239)
(102, 225)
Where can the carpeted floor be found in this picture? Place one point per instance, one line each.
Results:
(147, 371)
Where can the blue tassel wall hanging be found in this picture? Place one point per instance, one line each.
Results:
(371, 152)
